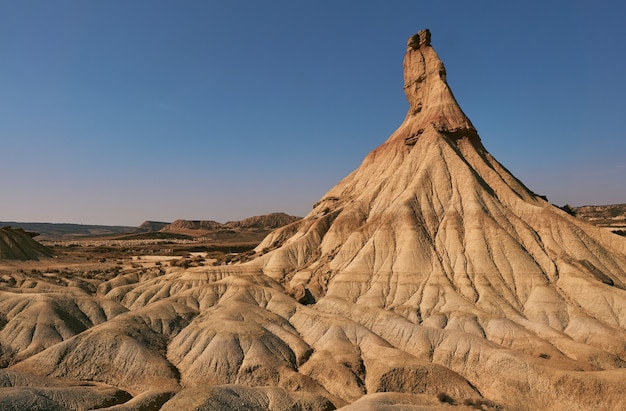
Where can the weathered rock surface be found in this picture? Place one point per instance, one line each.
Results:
(267, 221)
(394, 401)
(429, 276)
(17, 244)
(25, 392)
(148, 226)
(236, 397)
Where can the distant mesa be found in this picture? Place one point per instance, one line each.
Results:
(151, 226)
(265, 222)
(59, 231)
(180, 225)
(249, 231)
(612, 217)
(17, 244)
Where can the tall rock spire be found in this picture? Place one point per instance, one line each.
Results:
(430, 217)
(432, 228)
(431, 103)
(431, 209)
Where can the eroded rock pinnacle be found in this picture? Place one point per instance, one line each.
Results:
(421, 38)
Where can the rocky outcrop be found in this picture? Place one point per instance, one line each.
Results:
(17, 244)
(431, 103)
(148, 226)
(431, 231)
(267, 221)
(185, 225)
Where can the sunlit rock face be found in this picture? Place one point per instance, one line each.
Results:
(428, 276)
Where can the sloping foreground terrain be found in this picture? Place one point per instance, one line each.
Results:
(428, 278)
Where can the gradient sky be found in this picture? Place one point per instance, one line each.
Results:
(116, 112)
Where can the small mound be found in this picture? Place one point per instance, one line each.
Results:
(237, 397)
(17, 244)
(26, 392)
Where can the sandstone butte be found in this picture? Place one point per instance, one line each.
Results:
(428, 278)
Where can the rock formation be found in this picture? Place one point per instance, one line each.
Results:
(433, 235)
(182, 225)
(429, 276)
(17, 244)
(148, 226)
(267, 221)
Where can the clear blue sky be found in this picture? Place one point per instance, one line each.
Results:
(116, 112)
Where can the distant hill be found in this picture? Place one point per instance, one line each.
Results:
(180, 229)
(147, 226)
(17, 244)
(263, 222)
(268, 221)
(152, 235)
(194, 225)
(49, 231)
(611, 216)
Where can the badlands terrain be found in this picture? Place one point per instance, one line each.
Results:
(429, 278)
(612, 216)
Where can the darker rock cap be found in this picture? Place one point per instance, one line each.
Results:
(422, 38)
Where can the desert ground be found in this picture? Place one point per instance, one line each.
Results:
(49, 301)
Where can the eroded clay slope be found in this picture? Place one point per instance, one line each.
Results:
(17, 244)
